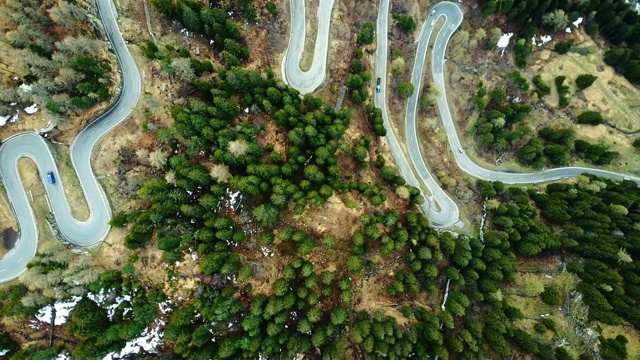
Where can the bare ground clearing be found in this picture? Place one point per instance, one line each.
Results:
(8, 222)
(310, 34)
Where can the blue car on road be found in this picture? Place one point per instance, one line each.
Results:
(51, 177)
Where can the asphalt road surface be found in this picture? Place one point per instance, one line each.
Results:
(307, 81)
(95, 228)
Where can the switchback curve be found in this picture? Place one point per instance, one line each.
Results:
(95, 228)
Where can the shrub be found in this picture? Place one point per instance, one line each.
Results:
(405, 89)
(590, 117)
(405, 23)
(522, 52)
(549, 323)
(366, 34)
(272, 8)
(563, 47)
(519, 81)
(539, 328)
(542, 88)
(551, 296)
(585, 80)
(563, 90)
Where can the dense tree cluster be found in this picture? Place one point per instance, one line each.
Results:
(616, 20)
(213, 22)
(64, 73)
(374, 115)
(499, 122)
(594, 219)
(556, 147)
(358, 80)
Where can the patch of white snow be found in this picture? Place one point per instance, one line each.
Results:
(577, 22)
(62, 311)
(25, 88)
(149, 341)
(63, 356)
(568, 30)
(545, 39)
(3, 352)
(165, 307)
(504, 42)
(101, 298)
(266, 251)
(3, 120)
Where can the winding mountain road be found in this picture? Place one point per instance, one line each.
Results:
(307, 81)
(31, 145)
(439, 207)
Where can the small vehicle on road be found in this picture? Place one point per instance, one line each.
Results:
(460, 150)
(378, 85)
(433, 22)
(433, 12)
(51, 178)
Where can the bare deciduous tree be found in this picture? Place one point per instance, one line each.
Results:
(494, 36)
(403, 192)
(220, 173)
(80, 46)
(170, 177)
(182, 70)
(158, 159)
(238, 147)
(397, 66)
(67, 15)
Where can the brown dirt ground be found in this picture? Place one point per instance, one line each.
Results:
(372, 297)
(309, 41)
(7, 219)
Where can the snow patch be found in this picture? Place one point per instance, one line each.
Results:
(3, 352)
(233, 199)
(31, 109)
(149, 341)
(101, 298)
(539, 42)
(63, 356)
(577, 22)
(165, 307)
(266, 251)
(3, 120)
(62, 311)
(568, 30)
(504, 42)
(25, 88)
